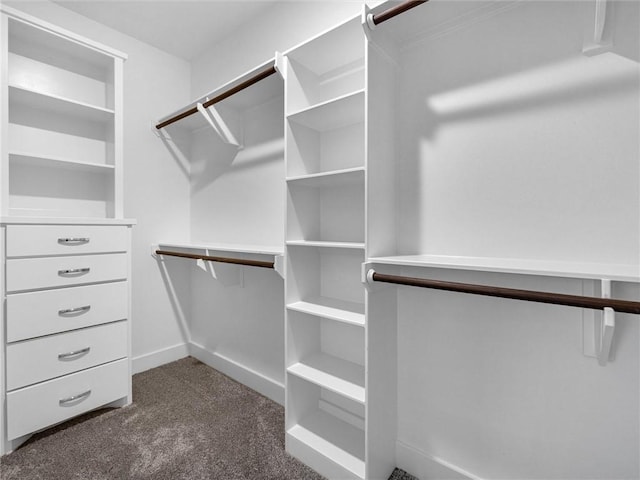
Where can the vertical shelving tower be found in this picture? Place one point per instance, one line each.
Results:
(325, 247)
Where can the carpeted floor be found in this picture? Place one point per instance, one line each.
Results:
(188, 421)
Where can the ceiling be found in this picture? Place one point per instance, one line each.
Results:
(183, 28)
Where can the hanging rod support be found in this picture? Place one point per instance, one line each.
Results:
(378, 18)
(596, 303)
(208, 258)
(232, 91)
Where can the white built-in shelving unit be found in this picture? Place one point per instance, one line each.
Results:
(65, 246)
(325, 247)
(64, 126)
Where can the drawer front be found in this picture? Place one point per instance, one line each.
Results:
(33, 408)
(44, 358)
(35, 314)
(32, 273)
(33, 240)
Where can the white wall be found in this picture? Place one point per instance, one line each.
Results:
(515, 144)
(156, 189)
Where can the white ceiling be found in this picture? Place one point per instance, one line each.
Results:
(183, 28)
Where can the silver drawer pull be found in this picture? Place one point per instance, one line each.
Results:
(73, 398)
(64, 356)
(77, 310)
(74, 271)
(73, 240)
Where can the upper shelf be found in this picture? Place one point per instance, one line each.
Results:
(435, 17)
(267, 89)
(622, 273)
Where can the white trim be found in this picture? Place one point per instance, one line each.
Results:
(61, 32)
(241, 373)
(428, 467)
(159, 357)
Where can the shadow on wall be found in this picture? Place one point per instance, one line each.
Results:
(179, 296)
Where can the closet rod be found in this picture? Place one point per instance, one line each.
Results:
(622, 306)
(236, 261)
(378, 18)
(241, 86)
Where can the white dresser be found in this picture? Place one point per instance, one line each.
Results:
(67, 322)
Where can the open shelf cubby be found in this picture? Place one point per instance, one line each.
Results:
(326, 67)
(325, 430)
(327, 353)
(326, 138)
(326, 214)
(316, 274)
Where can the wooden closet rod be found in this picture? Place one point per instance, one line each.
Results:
(236, 261)
(596, 303)
(241, 86)
(378, 18)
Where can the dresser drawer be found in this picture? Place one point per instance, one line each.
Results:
(35, 314)
(46, 272)
(34, 361)
(34, 240)
(44, 404)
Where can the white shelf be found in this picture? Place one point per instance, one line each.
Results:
(323, 244)
(260, 93)
(226, 247)
(337, 441)
(59, 105)
(333, 114)
(66, 221)
(332, 373)
(346, 176)
(622, 273)
(38, 161)
(332, 309)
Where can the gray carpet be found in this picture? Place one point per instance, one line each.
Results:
(188, 421)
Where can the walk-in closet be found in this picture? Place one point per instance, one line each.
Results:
(333, 239)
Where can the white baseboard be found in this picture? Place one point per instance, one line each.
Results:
(241, 373)
(159, 357)
(428, 467)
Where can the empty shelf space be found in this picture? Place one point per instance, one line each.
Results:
(335, 113)
(38, 161)
(59, 105)
(334, 374)
(623, 273)
(333, 309)
(346, 176)
(334, 439)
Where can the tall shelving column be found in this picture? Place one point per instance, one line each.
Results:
(325, 241)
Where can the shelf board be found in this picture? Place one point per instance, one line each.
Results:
(332, 114)
(332, 309)
(334, 439)
(31, 220)
(226, 247)
(332, 373)
(39, 161)
(324, 244)
(616, 272)
(59, 105)
(347, 176)
(267, 89)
